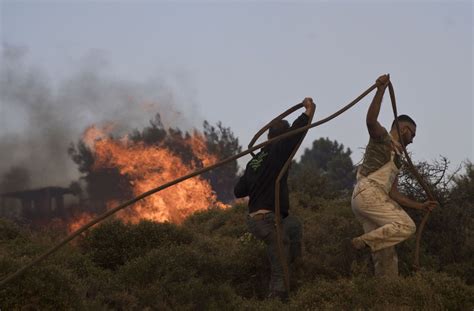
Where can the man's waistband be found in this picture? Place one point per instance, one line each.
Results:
(260, 214)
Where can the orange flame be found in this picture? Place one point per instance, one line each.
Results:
(93, 133)
(148, 167)
(79, 221)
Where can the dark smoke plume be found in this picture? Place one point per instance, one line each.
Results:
(40, 116)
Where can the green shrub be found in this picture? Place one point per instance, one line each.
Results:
(114, 243)
(180, 277)
(229, 222)
(9, 230)
(423, 291)
(211, 262)
(44, 287)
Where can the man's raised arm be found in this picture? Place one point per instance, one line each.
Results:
(375, 129)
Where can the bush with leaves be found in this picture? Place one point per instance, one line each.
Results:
(114, 243)
(211, 262)
(424, 291)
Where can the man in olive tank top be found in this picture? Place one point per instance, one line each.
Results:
(376, 201)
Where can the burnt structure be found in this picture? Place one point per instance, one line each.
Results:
(37, 205)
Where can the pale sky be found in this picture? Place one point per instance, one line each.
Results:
(245, 62)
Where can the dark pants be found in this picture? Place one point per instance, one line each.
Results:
(264, 229)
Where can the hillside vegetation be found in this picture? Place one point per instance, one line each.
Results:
(211, 262)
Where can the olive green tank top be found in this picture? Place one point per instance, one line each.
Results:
(377, 154)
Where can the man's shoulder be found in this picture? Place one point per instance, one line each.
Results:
(384, 138)
(301, 121)
(257, 160)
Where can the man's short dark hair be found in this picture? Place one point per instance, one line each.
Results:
(278, 127)
(404, 118)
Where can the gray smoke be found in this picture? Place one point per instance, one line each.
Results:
(40, 117)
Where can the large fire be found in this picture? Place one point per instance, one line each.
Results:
(147, 167)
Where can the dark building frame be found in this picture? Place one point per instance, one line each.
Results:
(39, 204)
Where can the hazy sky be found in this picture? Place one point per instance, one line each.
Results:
(241, 63)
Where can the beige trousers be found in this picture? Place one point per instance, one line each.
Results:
(385, 224)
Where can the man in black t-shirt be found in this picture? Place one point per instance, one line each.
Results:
(258, 182)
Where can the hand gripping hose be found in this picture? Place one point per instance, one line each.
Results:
(174, 182)
(424, 185)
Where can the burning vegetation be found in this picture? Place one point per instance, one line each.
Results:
(118, 168)
(148, 166)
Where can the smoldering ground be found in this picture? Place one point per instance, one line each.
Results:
(41, 116)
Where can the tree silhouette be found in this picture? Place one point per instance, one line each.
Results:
(222, 143)
(325, 170)
(102, 184)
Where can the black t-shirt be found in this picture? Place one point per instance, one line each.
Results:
(258, 181)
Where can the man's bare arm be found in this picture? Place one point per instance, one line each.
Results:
(375, 129)
(405, 201)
